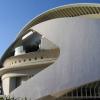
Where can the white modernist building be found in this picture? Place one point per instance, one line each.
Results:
(56, 55)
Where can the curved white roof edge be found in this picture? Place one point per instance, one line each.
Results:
(59, 7)
(21, 33)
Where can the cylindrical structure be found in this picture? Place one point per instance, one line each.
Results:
(19, 50)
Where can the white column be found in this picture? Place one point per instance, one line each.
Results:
(6, 86)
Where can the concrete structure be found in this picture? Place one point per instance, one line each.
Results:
(56, 55)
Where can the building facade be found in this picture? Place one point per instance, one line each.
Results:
(55, 55)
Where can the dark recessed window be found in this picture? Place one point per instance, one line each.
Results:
(24, 60)
(19, 61)
(18, 81)
(31, 41)
(41, 57)
(29, 59)
(35, 58)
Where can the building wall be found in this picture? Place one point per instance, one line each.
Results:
(9, 79)
(79, 62)
(6, 85)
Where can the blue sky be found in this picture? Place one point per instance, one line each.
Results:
(14, 14)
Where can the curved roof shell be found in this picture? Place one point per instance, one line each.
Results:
(78, 39)
(71, 10)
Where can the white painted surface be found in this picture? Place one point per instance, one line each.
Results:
(46, 44)
(24, 79)
(19, 50)
(79, 62)
(27, 35)
(6, 86)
